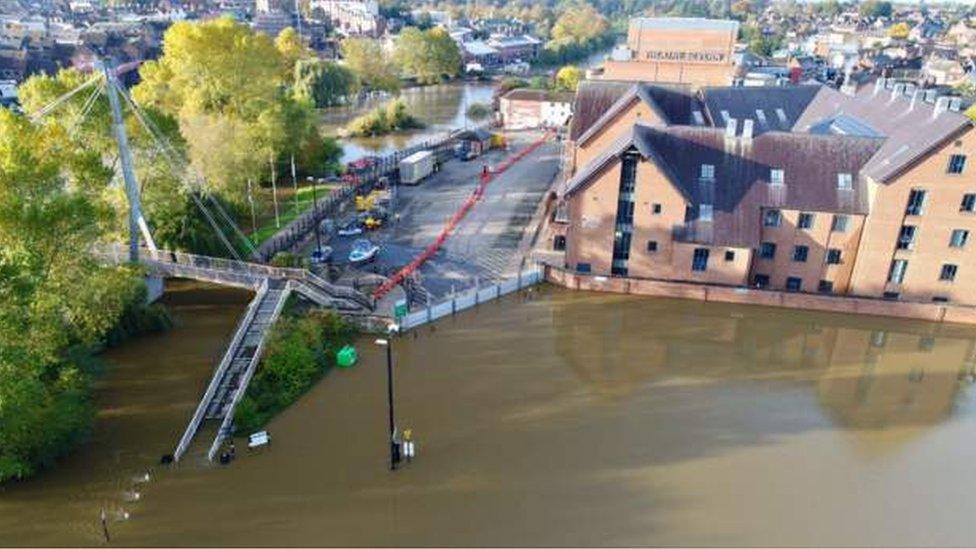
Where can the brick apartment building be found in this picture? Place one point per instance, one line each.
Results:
(865, 191)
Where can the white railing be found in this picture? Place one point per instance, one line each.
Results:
(225, 424)
(200, 413)
(471, 298)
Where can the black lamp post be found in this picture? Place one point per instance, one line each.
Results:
(394, 446)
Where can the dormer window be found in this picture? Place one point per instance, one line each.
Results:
(777, 177)
(845, 181)
(707, 171)
(705, 212)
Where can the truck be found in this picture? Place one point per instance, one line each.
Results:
(417, 166)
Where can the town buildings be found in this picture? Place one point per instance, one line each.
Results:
(524, 108)
(867, 191)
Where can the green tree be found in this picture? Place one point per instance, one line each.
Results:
(875, 8)
(323, 83)
(53, 295)
(372, 65)
(292, 50)
(579, 25)
(568, 78)
(478, 111)
(428, 55)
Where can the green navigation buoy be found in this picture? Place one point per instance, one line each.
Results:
(346, 357)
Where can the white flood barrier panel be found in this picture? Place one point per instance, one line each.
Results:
(466, 300)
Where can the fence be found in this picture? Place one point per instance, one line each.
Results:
(363, 177)
(471, 298)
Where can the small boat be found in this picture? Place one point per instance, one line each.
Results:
(362, 251)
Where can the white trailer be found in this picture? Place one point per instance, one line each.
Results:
(417, 166)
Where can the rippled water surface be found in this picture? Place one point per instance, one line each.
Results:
(562, 419)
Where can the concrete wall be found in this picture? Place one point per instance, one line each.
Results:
(940, 216)
(933, 312)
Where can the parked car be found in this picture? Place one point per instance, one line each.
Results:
(363, 251)
(352, 228)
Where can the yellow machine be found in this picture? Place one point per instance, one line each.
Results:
(372, 223)
(365, 203)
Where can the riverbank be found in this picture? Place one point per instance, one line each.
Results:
(301, 350)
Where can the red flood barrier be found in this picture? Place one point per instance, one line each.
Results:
(455, 219)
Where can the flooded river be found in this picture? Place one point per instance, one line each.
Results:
(441, 108)
(567, 419)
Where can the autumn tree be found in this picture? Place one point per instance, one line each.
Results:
(428, 55)
(568, 78)
(370, 63)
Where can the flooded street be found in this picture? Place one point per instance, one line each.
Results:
(567, 419)
(441, 108)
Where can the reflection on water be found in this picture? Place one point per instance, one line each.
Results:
(442, 108)
(584, 419)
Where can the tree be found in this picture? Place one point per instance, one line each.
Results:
(478, 111)
(875, 8)
(323, 83)
(579, 25)
(899, 31)
(428, 55)
(568, 78)
(53, 296)
(370, 63)
(292, 50)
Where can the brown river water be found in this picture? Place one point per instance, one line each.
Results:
(562, 419)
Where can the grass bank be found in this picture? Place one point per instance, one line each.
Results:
(301, 349)
(290, 206)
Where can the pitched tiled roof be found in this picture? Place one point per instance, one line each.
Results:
(593, 99)
(910, 131)
(672, 103)
(741, 186)
(526, 94)
(780, 106)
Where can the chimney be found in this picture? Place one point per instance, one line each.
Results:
(955, 104)
(941, 105)
(730, 128)
(747, 129)
(879, 84)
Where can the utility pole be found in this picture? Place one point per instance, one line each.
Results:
(137, 223)
(394, 445)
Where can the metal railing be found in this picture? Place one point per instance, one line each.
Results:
(225, 424)
(198, 415)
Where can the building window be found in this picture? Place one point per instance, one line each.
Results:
(896, 274)
(833, 256)
(652, 245)
(948, 273)
(772, 218)
(707, 171)
(906, 237)
(793, 284)
(559, 243)
(916, 202)
(940, 299)
(825, 286)
(959, 238)
(761, 281)
(628, 176)
(767, 250)
(845, 181)
(800, 253)
(777, 177)
(583, 267)
(957, 163)
(729, 255)
(805, 221)
(839, 224)
(968, 203)
(705, 212)
(621, 246)
(625, 212)
(699, 262)
(890, 295)
(656, 208)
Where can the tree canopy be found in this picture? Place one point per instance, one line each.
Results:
(371, 64)
(568, 78)
(429, 55)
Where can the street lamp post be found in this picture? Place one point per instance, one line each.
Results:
(315, 216)
(394, 447)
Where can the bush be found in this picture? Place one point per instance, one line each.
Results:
(301, 349)
(383, 120)
(288, 259)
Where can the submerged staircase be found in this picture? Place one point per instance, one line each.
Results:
(238, 364)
